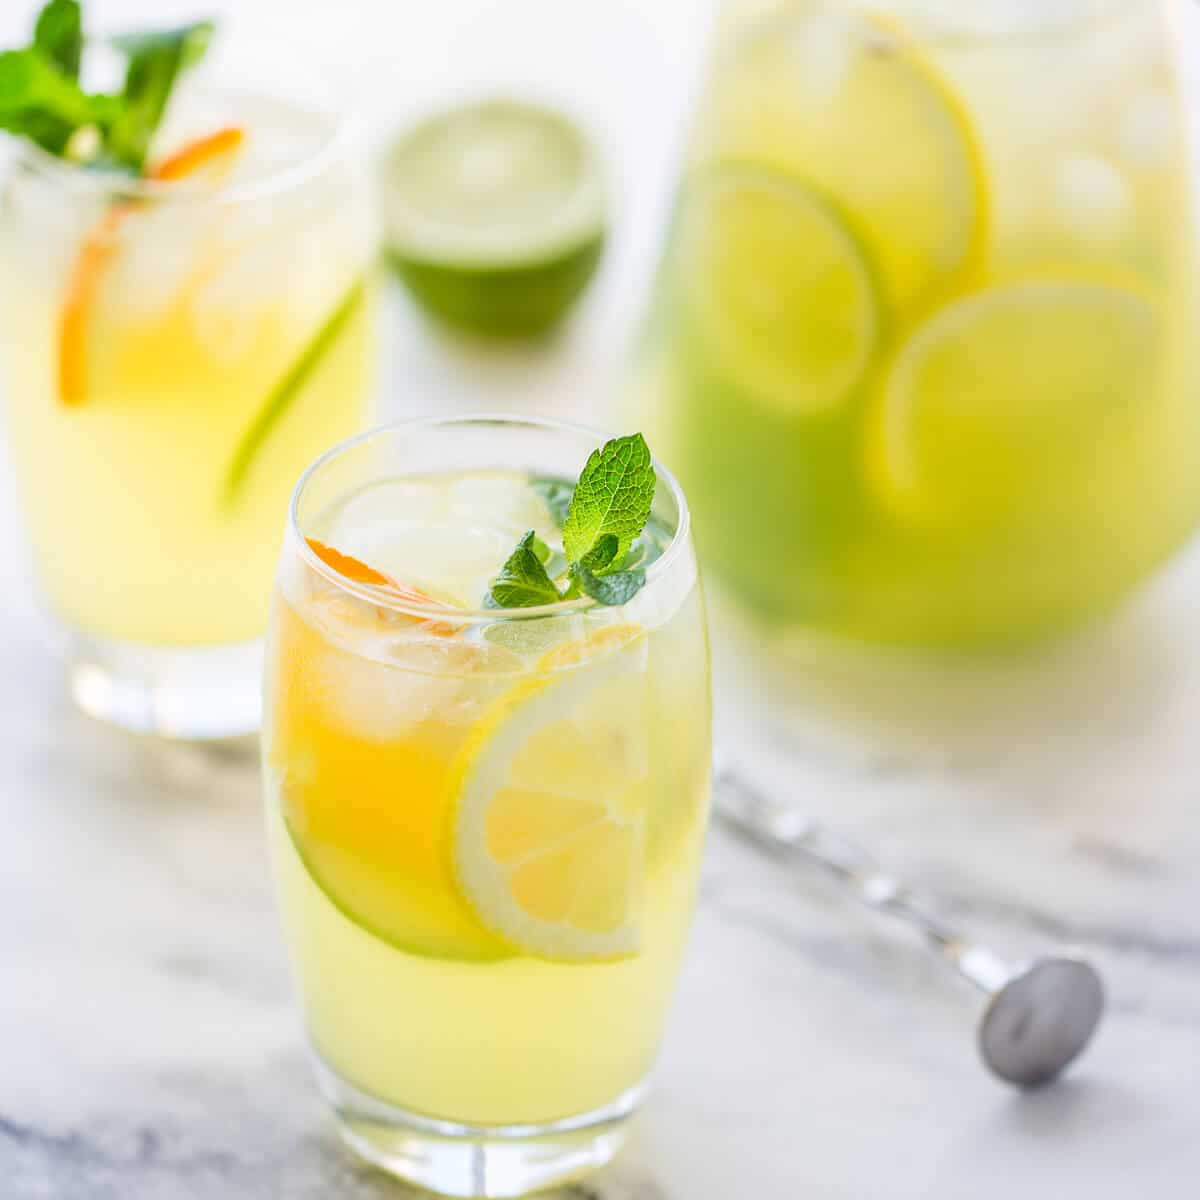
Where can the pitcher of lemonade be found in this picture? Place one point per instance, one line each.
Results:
(925, 341)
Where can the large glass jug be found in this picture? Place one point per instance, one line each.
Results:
(925, 340)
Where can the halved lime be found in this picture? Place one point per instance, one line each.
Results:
(992, 400)
(847, 103)
(494, 215)
(780, 288)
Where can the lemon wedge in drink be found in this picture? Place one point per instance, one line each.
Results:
(987, 401)
(494, 216)
(550, 797)
(847, 103)
(780, 288)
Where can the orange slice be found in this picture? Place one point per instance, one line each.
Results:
(200, 152)
(100, 246)
(358, 571)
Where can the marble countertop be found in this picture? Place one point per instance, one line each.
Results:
(149, 1048)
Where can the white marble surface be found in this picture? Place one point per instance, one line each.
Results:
(148, 1045)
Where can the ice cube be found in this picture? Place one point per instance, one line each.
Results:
(1092, 196)
(502, 500)
(1148, 129)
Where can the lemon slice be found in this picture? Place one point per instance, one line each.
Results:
(780, 288)
(996, 396)
(847, 103)
(550, 799)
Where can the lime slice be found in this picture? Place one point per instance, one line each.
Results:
(846, 103)
(494, 216)
(779, 287)
(550, 799)
(990, 401)
(289, 385)
(361, 770)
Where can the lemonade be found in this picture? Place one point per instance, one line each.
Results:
(923, 341)
(176, 347)
(485, 823)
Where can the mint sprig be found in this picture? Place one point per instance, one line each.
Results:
(602, 518)
(42, 99)
(58, 34)
(156, 60)
(523, 581)
(613, 496)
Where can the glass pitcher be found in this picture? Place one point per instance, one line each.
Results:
(924, 342)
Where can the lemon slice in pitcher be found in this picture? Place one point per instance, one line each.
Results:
(995, 396)
(551, 795)
(780, 287)
(848, 103)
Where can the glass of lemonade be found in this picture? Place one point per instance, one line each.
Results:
(485, 823)
(173, 351)
(923, 346)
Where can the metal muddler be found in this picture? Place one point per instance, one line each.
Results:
(1040, 1014)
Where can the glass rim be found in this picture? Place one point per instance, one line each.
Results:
(118, 186)
(928, 28)
(469, 616)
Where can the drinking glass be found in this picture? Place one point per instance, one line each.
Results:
(173, 351)
(485, 823)
(923, 342)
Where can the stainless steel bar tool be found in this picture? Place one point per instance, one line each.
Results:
(1040, 1014)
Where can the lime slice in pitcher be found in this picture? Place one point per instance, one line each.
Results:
(494, 216)
(780, 288)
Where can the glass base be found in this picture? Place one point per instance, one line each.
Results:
(203, 692)
(475, 1160)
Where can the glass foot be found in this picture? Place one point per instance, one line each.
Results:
(475, 1160)
(204, 692)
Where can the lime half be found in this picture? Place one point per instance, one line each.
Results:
(779, 287)
(990, 401)
(494, 215)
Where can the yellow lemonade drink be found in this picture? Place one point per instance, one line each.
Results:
(485, 823)
(175, 349)
(923, 344)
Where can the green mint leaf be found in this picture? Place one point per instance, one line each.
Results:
(40, 102)
(600, 557)
(58, 34)
(557, 495)
(156, 60)
(523, 582)
(618, 588)
(635, 556)
(613, 495)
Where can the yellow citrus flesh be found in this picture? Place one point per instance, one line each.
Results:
(550, 795)
(989, 399)
(849, 105)
(780, 288)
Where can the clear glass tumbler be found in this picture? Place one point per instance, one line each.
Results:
(486, 823)
(173, 351)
